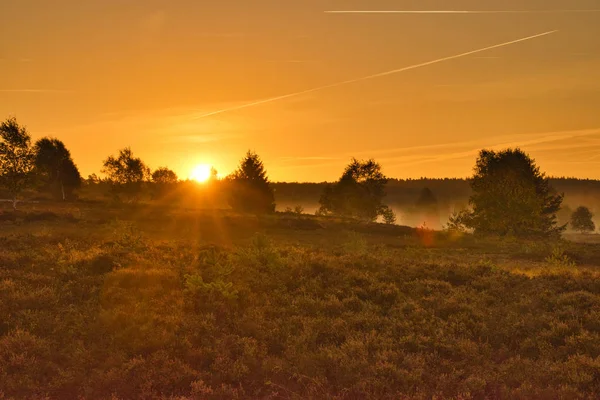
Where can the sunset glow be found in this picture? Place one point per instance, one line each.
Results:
(343, 79)
(201, 173)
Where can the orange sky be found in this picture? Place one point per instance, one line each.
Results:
(104, 74)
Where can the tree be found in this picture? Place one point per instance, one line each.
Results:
(164, 181)
(16, 158)
(164, 176)
(250, 190)
(56, 168)
(512, 197)
(92, 179)
(126, 173)
(358, 194)
(581, 220)
(389, 217)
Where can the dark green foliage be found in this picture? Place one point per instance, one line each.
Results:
(126, 173)
(581, 220)
(56, 168)
(249, 187)
(16, 158)
(358, 194)
(512, 197)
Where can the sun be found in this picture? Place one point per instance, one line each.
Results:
(201, 173)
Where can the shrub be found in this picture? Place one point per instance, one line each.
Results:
(558, 258)
(581, 220)
(389, 217)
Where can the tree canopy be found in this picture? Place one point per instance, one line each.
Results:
(250, 189)
(582, 220)
(164, 181)
(358, 194)
(164, 175)
(511, 196)
(56, 167)
(16, 158)
(126, 172)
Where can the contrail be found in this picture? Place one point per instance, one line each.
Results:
(364, 78)
(33, 91)
(459, 11)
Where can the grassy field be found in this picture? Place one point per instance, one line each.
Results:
(140, 302)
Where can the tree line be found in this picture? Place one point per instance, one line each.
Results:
(510, 195)
(47, 163)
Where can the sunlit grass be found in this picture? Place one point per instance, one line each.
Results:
(117, 310)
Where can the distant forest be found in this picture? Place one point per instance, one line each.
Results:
(45, 169)
(451, 194)
(402, 197)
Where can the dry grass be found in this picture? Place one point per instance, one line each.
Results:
(136, 303)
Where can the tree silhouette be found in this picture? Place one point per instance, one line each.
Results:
(56, 168)
(126, 173)
(164, 181)
(581, 220)
(92, 179)
(164, 175)
(16, 158)
(250, 190)
(358, 194)
(389, 217)
(512, 197)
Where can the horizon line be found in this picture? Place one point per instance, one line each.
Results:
(424, 178)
